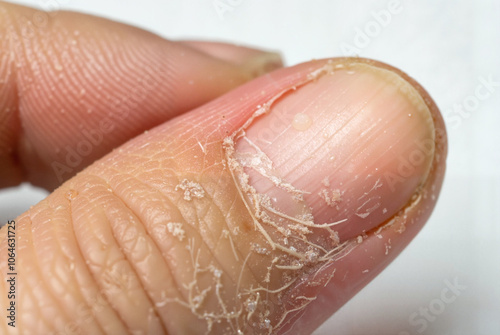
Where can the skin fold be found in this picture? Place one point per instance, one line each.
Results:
(168, 232)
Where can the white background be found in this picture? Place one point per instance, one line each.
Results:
(449, 47)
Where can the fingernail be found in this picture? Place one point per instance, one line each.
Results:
(347, 151)
(255, 61)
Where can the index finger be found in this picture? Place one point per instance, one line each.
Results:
(74, 86)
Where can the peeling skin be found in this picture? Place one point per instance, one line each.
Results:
(145, 240)
(191, 189)
(175, 228)
(285, 245)
(289, 247)
(231, 262)
(286, 259)
(259, 162)
(331, 197)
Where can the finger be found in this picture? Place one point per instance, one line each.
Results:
(74, 86)
(261, 62)
(230, 218)
(365, 256)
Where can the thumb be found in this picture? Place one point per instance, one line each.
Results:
(261, 212)
(75, 86)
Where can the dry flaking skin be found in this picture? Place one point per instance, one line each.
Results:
(287, 250)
